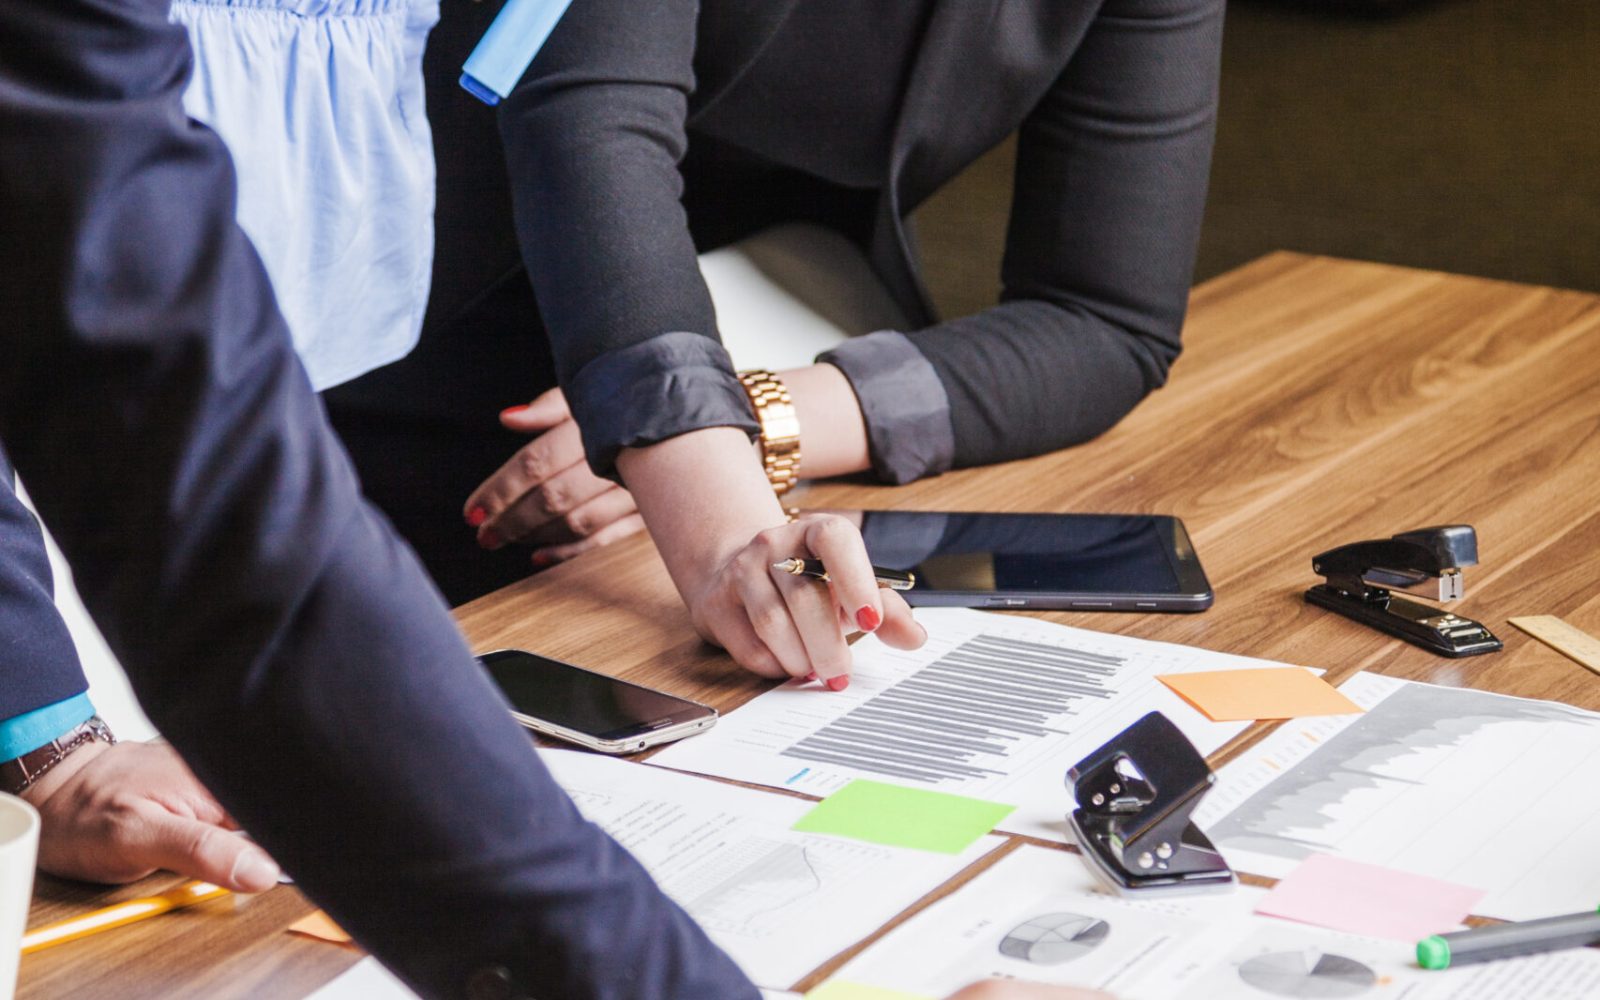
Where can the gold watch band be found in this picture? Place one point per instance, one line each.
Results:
(780, 428)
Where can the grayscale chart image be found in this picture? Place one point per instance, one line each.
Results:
(1308, 974)
(1299, 813)
(956, 718)
(1054, 938)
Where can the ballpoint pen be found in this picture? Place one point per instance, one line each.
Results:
(893, 579)
(73, 928)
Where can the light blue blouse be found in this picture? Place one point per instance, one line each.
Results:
(321, 104)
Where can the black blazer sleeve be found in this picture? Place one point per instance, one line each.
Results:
(593, 137)
(271, 623)
(1110, 186)
(38, 662)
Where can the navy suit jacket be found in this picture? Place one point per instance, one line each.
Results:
(274, 628)
(38, 663)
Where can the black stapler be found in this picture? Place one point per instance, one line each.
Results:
(1134, 798)
(1360, 575)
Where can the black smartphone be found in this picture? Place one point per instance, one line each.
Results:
(1086, 562)
(591, 709)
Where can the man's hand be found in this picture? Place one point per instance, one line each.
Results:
(118, 813)
(1004, 989)
(546, 495)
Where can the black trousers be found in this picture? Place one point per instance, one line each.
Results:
(424, 432)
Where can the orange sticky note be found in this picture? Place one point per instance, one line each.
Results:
(1267, 693)
(318, 925)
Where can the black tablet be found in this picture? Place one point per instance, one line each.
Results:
(1084, 562)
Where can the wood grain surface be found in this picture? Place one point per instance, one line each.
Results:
(1317, 402)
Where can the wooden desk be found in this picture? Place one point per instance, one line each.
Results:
(1317, 402)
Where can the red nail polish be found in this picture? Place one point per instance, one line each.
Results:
(838, 683)
(489, 538)
(810, 677)
(513, 410)
(868, 619)
(542, 559)
(476, 516)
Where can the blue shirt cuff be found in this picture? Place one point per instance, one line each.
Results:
(905, 406)
(662, 387)
(29, 731)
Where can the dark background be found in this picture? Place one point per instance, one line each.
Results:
(1461, 135)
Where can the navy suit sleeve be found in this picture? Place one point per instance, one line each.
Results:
(38, 662)
(272, 625)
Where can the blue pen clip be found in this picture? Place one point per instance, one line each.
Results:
(507, 49)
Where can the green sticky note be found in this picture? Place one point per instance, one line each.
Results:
(838, 989)
(904, 817)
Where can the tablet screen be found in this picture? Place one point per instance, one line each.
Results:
(1075, 553)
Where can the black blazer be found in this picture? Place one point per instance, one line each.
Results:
(1115, 104)
(272, 624)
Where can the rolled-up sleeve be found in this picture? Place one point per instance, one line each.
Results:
(660, 388)
(904, 405)
(1111, 174)
(593, 138)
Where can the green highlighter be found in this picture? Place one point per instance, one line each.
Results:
(1484, 944)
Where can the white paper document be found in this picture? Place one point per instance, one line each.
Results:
(1475, 788)
(366, 980)
(994, 706)
(1038, 915)
(780, 902)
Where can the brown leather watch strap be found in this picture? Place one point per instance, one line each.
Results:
(17, 774)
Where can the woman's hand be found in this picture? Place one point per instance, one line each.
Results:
(777, 624)
(545, 495)
(719, 529)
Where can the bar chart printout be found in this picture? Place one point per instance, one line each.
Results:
(981, 699)
(994, 707)
(1475, 788)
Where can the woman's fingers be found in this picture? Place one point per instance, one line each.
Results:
(838, 544)
(768, 611)
(899, 628)
(546, 456)
(547, 409)
(562, 500)
(772, 621)
(816, 618)
(628, 524)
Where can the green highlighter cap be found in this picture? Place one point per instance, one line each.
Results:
(1433, 953)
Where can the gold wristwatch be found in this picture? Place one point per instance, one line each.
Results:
(780, 428)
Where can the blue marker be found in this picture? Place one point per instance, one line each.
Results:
(508, 47)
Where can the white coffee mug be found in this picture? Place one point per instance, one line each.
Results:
(19, 846)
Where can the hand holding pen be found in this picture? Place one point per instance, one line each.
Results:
(803, 618)
(893, 579)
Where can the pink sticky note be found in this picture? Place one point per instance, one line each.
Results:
(1368, 899)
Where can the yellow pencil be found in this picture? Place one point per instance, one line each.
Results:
(73, 928)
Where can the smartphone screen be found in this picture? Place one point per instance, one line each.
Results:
(583, 701)
(1111, 561)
